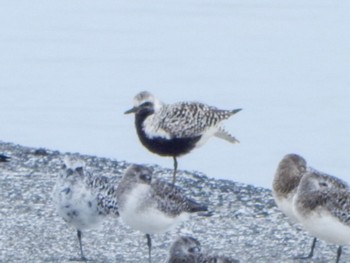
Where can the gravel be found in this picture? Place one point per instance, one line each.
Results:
(246, 224)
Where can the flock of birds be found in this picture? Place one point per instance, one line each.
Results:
(144, 203)
(318, 201)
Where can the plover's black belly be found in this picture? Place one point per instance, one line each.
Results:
(168, 147)
(164, 146)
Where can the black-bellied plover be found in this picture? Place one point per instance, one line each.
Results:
(187, 249)
(4, 158)
(175, 129)
(322, 206)
(82, 199)
(287, 178)
(152, 206)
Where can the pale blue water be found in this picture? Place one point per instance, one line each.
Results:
(69, 69)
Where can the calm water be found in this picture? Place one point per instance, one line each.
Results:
(69, 69)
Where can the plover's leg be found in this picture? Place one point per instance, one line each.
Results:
(311, 254)
(175, 169)
(338, 254)
(312, 248)
(149, 244)
(79, 234)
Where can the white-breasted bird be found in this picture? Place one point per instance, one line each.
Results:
(152, 206)
(82, 199)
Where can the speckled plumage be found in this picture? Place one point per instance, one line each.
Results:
(188, 119)
(291, 169)
(188, 250)
(82, 199)
(322, 206)
(152, 206)
(176, 129)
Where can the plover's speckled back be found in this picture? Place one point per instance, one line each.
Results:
(322, 206)
(82, 199)
(176, 129)
(4, 158)
(152, 206)
(188, 250)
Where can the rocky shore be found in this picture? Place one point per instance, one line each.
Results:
(246, 224)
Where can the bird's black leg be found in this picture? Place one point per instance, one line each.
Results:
(338, 254)
(79, 234)
(175, 169)
(311, 254)
(149, 244)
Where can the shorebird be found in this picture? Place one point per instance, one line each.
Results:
(176, 129)
(4, 158)
(188, 250)
(83, 200)
(284, 187)
(322, 206)
(289, 173)
(152, 206)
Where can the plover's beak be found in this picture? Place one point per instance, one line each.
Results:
(132, 110)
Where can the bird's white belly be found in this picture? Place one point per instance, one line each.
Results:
(286, 206)
(149, 219)
(326, 227)
(78, 207)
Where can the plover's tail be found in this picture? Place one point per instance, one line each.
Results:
(4, 158)
(223, 134)
(235, 111)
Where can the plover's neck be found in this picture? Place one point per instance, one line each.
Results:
(140, 118)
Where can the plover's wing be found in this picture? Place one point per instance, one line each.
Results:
(107, 204)
(188, 119)
(331, 180)
(171, 200)
(337, 203)
(105, 187)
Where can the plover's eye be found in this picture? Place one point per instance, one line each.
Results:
(147, 105)
(146, 177)
(323, 184)
(194, 249)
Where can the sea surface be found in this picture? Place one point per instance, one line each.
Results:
(70, 69)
